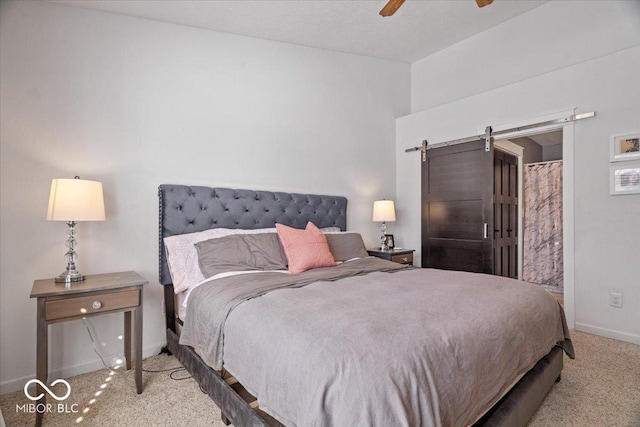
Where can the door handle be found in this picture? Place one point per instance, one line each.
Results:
(485, 230)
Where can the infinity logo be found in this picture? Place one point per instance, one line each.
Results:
(52, 394)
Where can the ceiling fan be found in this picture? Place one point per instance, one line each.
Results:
(393, 5)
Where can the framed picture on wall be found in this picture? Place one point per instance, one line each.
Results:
(625, 147)
(624, 180)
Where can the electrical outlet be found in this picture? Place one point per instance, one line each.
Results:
(615, 299)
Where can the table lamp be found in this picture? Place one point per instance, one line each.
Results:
(383, 211)
(74, 200)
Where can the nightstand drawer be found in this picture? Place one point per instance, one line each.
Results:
(403, 259)
(401, 256)
(70, 307)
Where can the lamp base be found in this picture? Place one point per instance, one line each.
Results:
(69, 277)
(383, 238)
(70, 274)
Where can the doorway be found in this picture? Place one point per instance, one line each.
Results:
(542, 243)
(517, 201)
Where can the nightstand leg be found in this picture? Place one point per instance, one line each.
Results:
(41, 359)
(138, 340)
(127, 338)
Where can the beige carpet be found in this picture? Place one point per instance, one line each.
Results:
(600, 388)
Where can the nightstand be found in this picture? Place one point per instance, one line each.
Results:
(97, 294)
(401, 256)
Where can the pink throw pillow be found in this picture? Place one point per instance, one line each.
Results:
(305, 249)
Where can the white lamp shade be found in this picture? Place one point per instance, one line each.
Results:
(384, 210)
(75, 200)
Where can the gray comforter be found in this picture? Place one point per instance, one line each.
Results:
(419, 347)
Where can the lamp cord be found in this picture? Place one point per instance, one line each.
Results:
(87, 324)
(173, 371)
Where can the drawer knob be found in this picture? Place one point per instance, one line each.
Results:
(405, 259)
(96, 305)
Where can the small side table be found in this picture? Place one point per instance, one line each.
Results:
(401, 256)
(97, 294)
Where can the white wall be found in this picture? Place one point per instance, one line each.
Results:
(551, 37)
(135, 103)
(552, 152)
(599, 72)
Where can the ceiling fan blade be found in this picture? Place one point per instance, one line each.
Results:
(483, 3)
(391, 7)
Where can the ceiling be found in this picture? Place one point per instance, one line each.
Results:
(418, 29)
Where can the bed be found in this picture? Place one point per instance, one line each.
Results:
(363, 342)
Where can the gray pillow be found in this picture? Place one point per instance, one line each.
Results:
(267, 251)
(229, 253)
(345, 246)
(240, 252)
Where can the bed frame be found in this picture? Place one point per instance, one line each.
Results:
(188, 209)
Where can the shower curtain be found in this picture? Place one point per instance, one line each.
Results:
(542, 249)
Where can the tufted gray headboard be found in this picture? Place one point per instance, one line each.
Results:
(188, 209)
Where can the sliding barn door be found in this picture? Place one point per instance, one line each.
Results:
(457, 207)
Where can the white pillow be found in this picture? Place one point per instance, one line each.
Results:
(331, 230)
(182, 255)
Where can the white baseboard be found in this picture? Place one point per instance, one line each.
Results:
(15, 384)
(608, 333)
